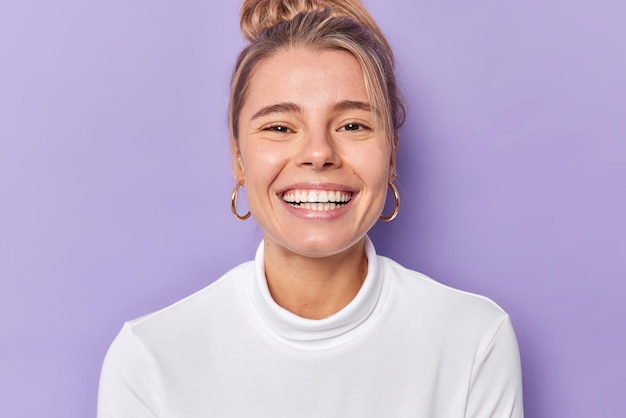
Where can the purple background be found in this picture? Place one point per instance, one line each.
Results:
(115, 180)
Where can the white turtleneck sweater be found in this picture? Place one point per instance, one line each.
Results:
(406, 346)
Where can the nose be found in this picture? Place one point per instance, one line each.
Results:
(318, 151)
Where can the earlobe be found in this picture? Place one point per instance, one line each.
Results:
(393, 173)
(238, 169)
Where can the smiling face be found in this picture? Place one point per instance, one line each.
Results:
(315, 169)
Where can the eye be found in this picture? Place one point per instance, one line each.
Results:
(354, 126)
(277, 128)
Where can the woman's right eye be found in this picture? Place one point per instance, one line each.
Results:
(277, 128)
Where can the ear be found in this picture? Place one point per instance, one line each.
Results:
(238, 168)
(393, 159)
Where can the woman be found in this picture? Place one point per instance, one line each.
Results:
(317, 325)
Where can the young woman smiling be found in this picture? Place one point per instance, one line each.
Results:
(318, 325)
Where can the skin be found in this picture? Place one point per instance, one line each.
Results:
(307, 126)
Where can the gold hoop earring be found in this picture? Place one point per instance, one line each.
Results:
(396, 209)
(233, 202)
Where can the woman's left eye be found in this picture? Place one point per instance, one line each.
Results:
(353, 126)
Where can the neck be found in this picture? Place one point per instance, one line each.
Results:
(314, 288)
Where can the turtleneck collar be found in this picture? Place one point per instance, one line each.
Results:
(316, 333)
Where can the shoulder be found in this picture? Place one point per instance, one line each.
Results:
(422, 297)
(213, 303)
(176, 337)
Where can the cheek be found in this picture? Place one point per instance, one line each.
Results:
(262, 165)
(373, 164)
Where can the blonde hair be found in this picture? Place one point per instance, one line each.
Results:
(274, 25)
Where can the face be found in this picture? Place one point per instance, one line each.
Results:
(315, 170)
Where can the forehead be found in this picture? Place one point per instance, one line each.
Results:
(310, 78)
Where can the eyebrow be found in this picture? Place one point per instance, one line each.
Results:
(289, 107)
(353, 105)
(285, 107)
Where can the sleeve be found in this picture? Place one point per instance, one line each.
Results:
(496, 382)
(128, 386)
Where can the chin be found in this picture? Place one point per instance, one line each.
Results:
(319, 246)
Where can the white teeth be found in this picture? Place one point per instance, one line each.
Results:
(317, 199)
(319, 206)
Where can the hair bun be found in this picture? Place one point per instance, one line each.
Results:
(259, 15)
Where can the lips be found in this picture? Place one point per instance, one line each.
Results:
(319, 200)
